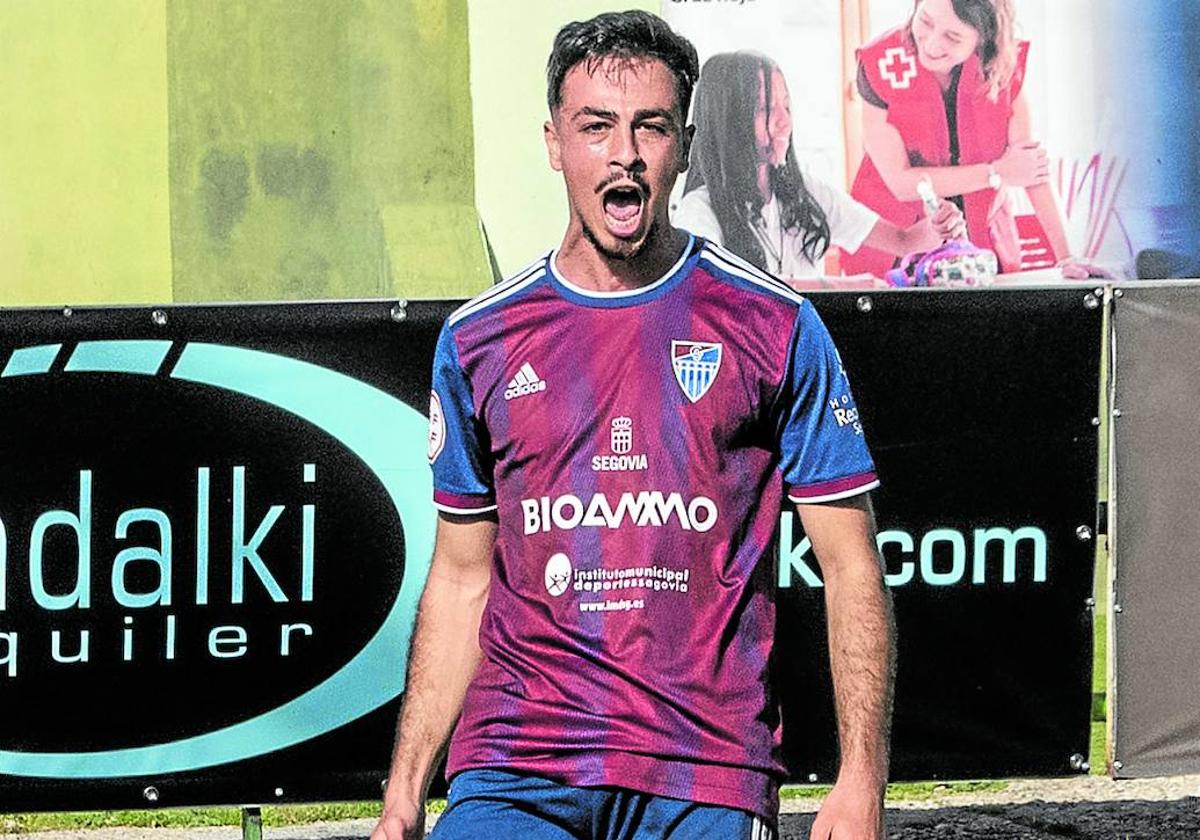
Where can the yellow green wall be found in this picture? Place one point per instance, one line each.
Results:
(322, 150)
(520, 199)
(83, 152)
(189, 150)
(158, 150)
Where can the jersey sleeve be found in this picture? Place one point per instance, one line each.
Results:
(458, 444)
(823, 453)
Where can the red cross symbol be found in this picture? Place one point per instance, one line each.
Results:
(898, 68)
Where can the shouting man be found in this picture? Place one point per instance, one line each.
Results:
(613, 431)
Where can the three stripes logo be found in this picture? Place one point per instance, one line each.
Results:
(524, 383)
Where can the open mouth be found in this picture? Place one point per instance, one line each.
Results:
(623, 207)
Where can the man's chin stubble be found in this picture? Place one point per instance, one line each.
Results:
(630, 250)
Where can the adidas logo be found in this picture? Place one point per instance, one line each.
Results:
(524, 383)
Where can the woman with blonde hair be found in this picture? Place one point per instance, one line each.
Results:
(943, 101)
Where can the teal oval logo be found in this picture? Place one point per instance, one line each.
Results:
(386, 434)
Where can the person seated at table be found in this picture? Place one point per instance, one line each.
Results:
(746, 191)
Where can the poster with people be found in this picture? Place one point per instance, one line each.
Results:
(907, 140)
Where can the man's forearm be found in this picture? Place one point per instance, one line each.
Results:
(445, 655)
(862, 658)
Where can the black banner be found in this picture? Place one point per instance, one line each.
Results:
(979, 407)
(215, 525)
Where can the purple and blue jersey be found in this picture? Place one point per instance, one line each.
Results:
(637, 447)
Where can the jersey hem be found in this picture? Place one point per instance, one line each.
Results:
(451, 503)
(750, 790)
(830, 491)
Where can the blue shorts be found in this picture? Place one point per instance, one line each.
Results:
(496, 804)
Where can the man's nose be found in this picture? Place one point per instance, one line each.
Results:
(625, 151)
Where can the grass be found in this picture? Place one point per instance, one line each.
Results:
(273, 815)
(903, 791)
(185, 817)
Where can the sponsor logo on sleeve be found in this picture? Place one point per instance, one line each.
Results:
(845, 412)
(437, 427)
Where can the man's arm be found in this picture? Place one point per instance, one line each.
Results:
(445, 654)
(862, 654)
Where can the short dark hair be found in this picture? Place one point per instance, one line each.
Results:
(627, 37)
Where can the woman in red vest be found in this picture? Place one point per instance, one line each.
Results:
(942, 100)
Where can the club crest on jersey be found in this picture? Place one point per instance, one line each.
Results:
(695, 364)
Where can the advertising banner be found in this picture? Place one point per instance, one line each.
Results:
(217, 523)
(1060, 129)
(1155, 641)
(980, 410)
(214, 529)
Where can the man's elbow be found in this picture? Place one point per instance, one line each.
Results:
(854, 569)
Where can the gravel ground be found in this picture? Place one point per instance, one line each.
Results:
(1080, 808)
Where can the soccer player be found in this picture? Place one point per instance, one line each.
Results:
(613, 431)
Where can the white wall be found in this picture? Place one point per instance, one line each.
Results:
(804, 39)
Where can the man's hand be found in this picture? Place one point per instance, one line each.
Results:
(400, 821)
(862, 661)
(850, 812)
(444, 657)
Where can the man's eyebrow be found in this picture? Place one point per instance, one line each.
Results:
(654, 113)
(638, 116)
(588, 111)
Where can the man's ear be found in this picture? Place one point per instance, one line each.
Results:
(689, 134)
(553, 146)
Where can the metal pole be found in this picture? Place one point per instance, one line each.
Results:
(252, 823)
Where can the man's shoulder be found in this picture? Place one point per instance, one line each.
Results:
(507, 292)
(744, 284)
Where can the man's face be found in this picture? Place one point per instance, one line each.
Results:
(619, 140)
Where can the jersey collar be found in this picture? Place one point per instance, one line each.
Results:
(625, 297)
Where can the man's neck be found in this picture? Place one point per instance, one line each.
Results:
(585, 266)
